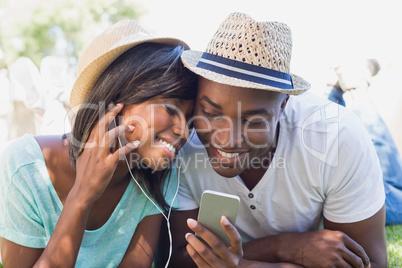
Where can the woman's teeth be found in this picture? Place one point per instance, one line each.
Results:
(227, 155)
(169, 146)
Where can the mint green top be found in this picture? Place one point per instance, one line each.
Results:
(30, 208)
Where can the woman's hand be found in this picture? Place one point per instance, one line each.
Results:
(97, 164)
(218, 255)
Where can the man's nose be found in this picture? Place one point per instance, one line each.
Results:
(228, 136)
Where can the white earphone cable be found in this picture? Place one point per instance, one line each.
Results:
(170, 208)
(171, 204)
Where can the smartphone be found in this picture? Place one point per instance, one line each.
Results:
(213, 206)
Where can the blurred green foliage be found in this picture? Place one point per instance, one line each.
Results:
(31, 28)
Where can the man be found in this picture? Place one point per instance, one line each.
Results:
(294, 161)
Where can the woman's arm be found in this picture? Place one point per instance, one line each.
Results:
(14, 255)
(64, 243)
(142, 248)
(95, 167)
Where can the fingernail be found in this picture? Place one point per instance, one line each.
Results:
(187, 236)
(191, 223)
(136, 143)
(117, 106)
(110, 106)
(224, 220)
(131, 128)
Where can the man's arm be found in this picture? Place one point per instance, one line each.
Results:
(180, 256)
(369, 233)
(214, 253)
(354, 243)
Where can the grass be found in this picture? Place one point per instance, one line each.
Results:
(394, 246)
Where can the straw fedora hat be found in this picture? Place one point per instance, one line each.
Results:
(105, 49)
(250, 54)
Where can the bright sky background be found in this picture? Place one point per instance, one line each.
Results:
(325, 33)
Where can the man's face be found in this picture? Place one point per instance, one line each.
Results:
(236, 125)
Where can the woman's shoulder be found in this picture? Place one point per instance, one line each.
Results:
(29, 150)
(21, 151)
(20, 160)
(53, 148)
(55, 152)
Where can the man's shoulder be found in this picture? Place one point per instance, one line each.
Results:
(316, 124)
(306, 104)
(310, 111)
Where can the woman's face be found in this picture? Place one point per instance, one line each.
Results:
(161, 126)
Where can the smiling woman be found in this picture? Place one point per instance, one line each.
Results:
(147, 96)
(61, 195)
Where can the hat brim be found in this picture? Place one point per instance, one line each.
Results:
(190, 59)
(90, 75)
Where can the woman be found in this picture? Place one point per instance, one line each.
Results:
(71, 200)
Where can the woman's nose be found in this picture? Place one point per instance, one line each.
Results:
(180, 128)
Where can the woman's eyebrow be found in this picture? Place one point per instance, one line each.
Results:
(206, 99)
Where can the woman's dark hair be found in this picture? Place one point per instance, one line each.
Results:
(141, 73)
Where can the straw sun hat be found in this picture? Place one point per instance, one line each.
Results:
(105, 49)
(250, 54)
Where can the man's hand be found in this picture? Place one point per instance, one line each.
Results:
(218, 255)
(325, 248)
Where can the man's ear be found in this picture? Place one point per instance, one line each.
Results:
(284, 102)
